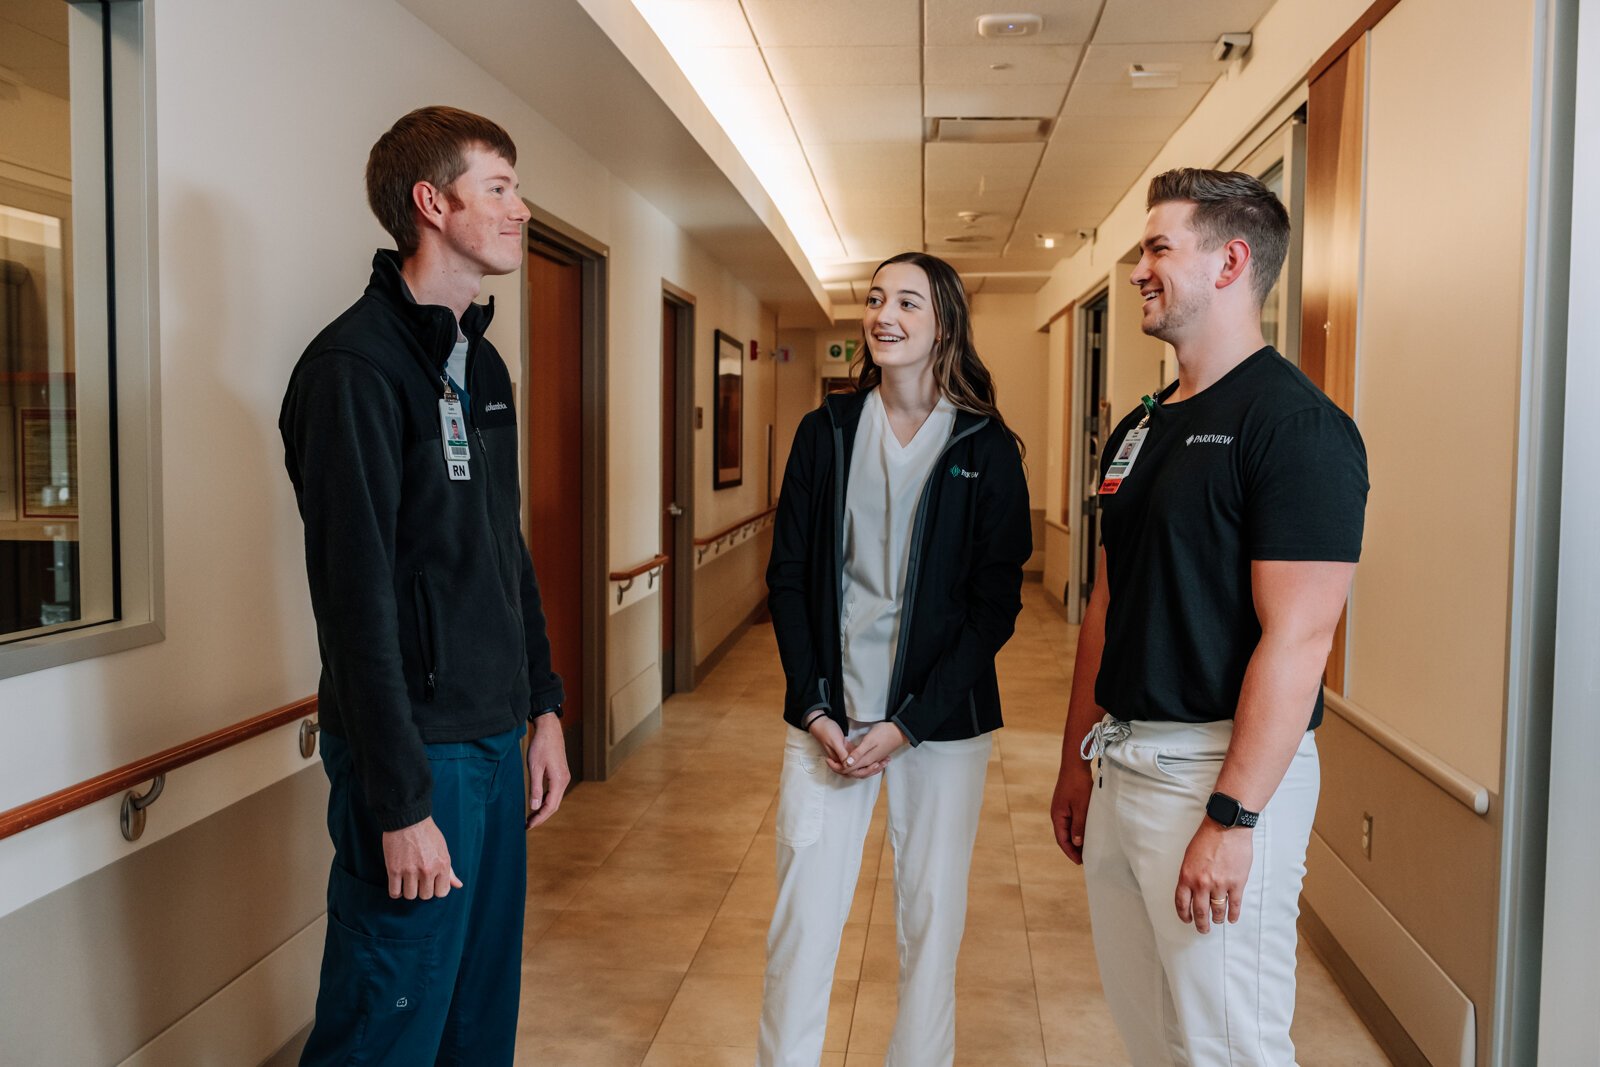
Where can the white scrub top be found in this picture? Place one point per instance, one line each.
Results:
(886, 480)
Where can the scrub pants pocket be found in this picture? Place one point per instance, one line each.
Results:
(802, 791)
(379, 970)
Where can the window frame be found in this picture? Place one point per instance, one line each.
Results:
(130, 388)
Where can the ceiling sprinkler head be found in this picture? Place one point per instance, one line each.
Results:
(969, 217)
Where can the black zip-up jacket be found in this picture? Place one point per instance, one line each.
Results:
(428, 613)
(971, 535)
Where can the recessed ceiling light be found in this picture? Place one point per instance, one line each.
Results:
(999, 66)
(1048, 240)
(1154, 75)
(1021, 25)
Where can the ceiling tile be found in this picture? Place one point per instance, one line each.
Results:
(1012, 283)
(1107, 64)
(955, 22)
(993, 101)
(1137, 21)
(1124, 101)
(780, 23)
(755, 115)
(1024, 64)
(1065, 154)
(852, 65)
(847, 114)
(890, 173)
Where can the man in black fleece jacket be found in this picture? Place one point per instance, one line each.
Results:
(400, 438)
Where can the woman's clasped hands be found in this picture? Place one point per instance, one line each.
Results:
(868, 756)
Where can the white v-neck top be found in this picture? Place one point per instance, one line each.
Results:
(886, 480)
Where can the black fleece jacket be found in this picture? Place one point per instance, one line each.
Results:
(428, 613)
(970, 538)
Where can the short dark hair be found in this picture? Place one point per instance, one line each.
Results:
(427, 145)
(1230, 204)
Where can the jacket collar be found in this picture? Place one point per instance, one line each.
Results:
(845, 411)
(433, 325)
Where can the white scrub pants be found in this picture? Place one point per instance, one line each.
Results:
(935, 793)
(1180, 997)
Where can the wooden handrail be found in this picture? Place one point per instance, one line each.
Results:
(633, 572)
(1458, 785)
(711, 539)
(129, 775)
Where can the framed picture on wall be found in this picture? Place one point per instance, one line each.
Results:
(727, 413)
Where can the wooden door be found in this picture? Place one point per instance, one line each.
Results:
(553, 417)
(669, 491)
(1331, 271)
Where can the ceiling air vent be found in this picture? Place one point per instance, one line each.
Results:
(987, 130)
(967, 239)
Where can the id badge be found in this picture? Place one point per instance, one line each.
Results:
(1123, 462)
(453, 436)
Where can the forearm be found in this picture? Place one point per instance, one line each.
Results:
(1275, 702)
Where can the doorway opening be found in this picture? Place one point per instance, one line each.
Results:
(1094, 416)
(677, 490)
(563, 417)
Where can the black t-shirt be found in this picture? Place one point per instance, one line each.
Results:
(1260, 466)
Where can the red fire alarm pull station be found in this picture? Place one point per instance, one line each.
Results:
(753, 349)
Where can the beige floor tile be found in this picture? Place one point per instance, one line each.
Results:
(713, 1009)
(586, 940)
(535, 921)
(1086, 1038)
(663, 1055)
(753, 894)
(599, 1006)
(539, 1048)
(653, 892)
(873, 1021)
(556, 886)
(997, 1028)
(681, 850)
(566, 845)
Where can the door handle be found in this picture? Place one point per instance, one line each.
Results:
(674, 510)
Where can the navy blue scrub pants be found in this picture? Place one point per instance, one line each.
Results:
(426, 981)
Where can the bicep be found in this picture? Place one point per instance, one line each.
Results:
(1300, 599)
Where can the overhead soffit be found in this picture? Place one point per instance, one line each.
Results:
(829, 101)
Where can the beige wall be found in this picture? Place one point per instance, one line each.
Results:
(1058, 408)
(1017, 355)
(1135, 361)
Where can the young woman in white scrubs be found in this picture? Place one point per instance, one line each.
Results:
(895, 578)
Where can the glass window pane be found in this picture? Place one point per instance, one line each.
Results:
(43, 533)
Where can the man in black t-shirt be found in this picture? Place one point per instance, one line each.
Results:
(1232, 508)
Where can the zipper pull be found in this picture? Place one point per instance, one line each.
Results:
(429, 686)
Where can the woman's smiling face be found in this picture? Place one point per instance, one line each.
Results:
(899, 321)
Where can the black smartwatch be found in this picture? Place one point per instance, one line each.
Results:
(1228, 812)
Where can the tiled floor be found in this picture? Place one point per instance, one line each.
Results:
(650, 894)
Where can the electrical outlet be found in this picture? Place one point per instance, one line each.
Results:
(1366, 835)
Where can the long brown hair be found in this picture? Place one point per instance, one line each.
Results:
(960, 374)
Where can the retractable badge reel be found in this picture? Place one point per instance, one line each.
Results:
(453, 435)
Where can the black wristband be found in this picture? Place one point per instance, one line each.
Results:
(821, 713)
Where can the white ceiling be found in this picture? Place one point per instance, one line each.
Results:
(829, 102)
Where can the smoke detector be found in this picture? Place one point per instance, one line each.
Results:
(1021, 25)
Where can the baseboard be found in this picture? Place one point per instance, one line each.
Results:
(647, 728)
(1424, 1002)
(1386, 1030)
(1059, 606)
(249, 1019)
(758, 613)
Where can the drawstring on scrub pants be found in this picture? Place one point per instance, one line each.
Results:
(1101, 736)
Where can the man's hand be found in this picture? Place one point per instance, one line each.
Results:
(548, 775)
(871, 754)
(1069, 807)
(1211, 881)
(419, 862)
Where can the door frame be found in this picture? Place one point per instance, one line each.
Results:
(593, 257)
(682, 607)
(1077, 460)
